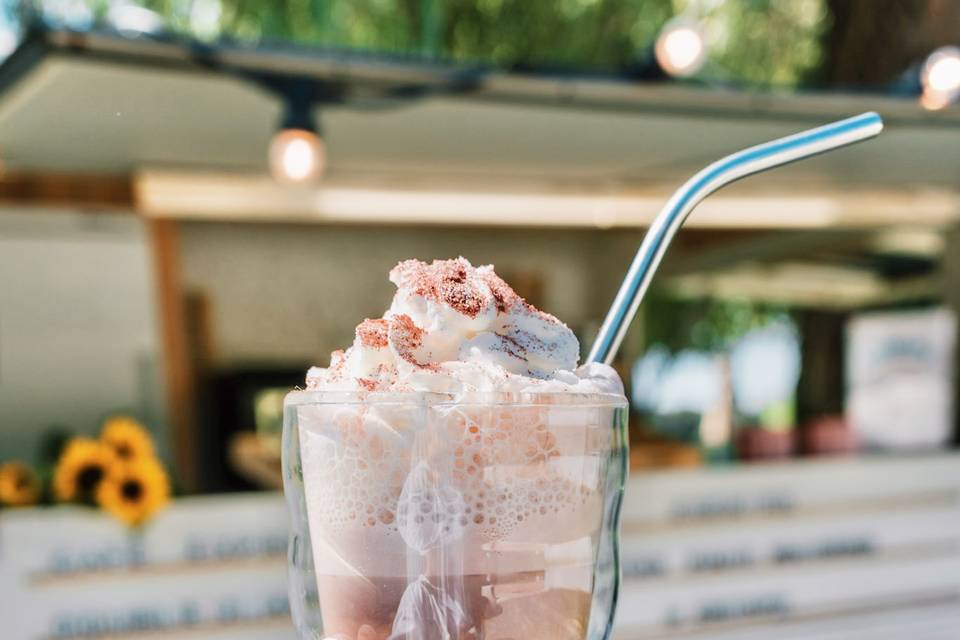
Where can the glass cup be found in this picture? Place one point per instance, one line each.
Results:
(417, 517)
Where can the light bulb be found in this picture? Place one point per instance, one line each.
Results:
(941, 71)
(940, 78)
(297, 156)
(680, 49)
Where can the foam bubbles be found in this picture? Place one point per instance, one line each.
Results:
(490, 470)
(429, 513)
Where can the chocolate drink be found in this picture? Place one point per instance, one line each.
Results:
(454, 466)
(365, 609)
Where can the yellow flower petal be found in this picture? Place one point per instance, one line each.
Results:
(82, 466)
(129, 439)
(19, 485)
(134, 491)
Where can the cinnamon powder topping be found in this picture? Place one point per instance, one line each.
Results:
(444, 281)
(337, 359)
(407, 337)
(366, 383)
(373, 333)
(503, 295)
(511, 347)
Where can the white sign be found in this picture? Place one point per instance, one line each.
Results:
(207, 567)
(900, 383)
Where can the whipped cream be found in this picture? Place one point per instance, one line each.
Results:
(455, 328)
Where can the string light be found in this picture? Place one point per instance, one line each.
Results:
(940, 78)
(297, 153)
(680, 48)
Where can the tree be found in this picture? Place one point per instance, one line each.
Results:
(869, 43)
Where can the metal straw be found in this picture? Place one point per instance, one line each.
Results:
(720, 173)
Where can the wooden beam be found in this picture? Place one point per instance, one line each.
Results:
(179, 374)
(114, 192)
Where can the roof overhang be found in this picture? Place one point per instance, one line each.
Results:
(184, 118)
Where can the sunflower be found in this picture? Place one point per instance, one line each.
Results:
(134, 491)
(19, 485)
(129, 439)
(82, 466)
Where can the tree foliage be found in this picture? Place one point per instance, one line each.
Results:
(758, 43)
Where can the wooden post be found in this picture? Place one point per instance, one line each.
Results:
(822, 384)
(178, 370)
(950, 279)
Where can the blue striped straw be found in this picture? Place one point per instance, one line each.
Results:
(719, 174)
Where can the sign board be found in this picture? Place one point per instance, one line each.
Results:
(820, 546)
(900, 378)
(206, 568)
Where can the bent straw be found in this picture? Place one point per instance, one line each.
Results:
(719, 174)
